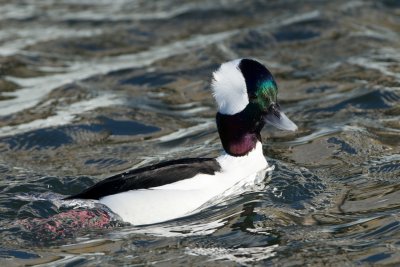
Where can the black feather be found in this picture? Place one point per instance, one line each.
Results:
(151, 176)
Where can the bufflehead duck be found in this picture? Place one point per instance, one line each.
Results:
(246, 96)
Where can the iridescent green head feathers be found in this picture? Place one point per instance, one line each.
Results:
(240, 82)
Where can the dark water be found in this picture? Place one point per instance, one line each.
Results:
(91, 88)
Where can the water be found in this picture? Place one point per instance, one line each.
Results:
(92, 88)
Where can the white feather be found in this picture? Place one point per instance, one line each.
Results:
(178, 199)
(229, 88)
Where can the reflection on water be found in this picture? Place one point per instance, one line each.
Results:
(91, 88)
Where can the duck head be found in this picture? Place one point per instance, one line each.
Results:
(246, 95)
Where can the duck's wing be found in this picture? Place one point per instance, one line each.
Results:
(151, 176)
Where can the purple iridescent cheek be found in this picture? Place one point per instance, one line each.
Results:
(243, 145)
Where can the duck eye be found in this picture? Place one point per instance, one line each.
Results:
(274, 109)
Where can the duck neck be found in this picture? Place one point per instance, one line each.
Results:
(240, 132)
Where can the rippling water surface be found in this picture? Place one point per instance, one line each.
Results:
(91, 88)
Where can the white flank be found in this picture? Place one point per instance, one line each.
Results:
(229, 88)
(178, 199)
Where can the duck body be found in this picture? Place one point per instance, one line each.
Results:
(246, 97)
(174, 189)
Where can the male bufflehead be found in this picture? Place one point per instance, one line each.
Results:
(246, 96)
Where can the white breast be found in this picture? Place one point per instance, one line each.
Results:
(178, 199)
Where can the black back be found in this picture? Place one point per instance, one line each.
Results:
(151, 176)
